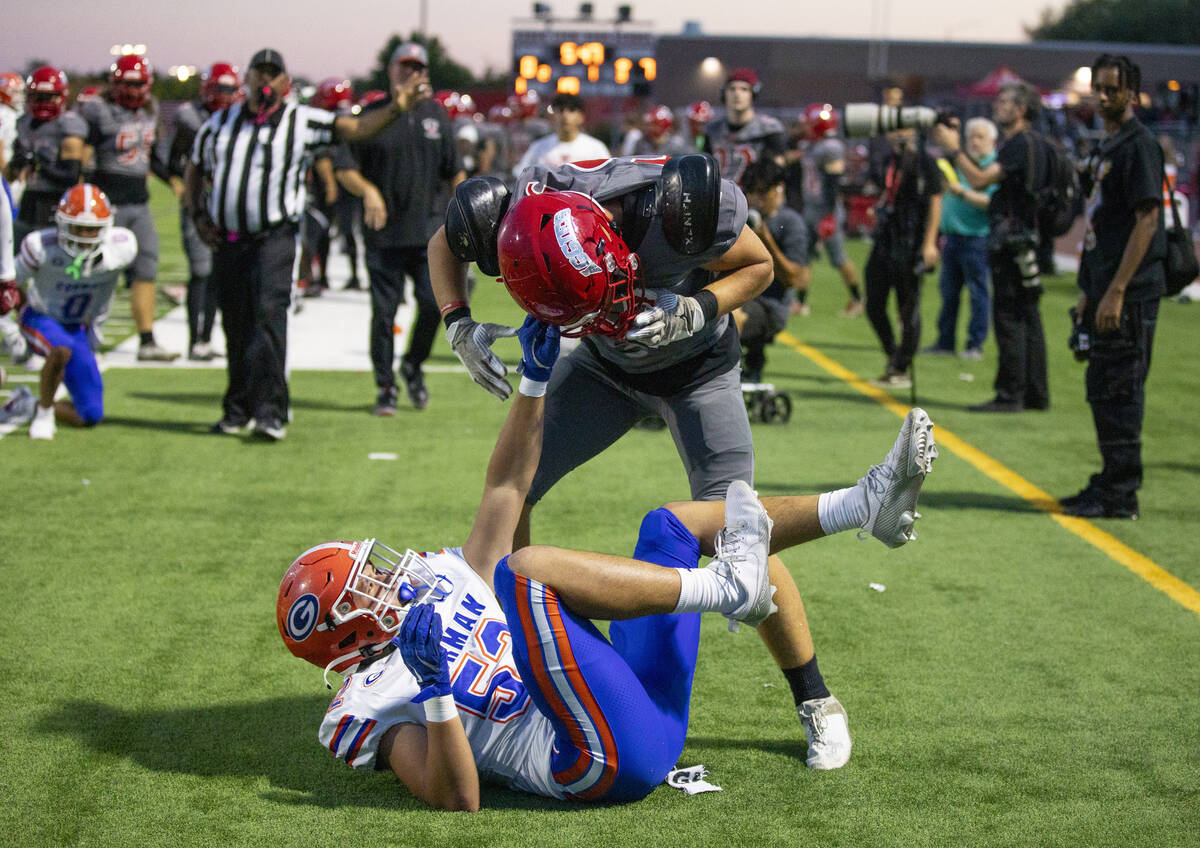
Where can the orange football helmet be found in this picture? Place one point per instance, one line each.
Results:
(83, 217)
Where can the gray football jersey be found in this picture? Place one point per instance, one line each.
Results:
(736, 150)
(191, 115)
(821, 187)
(123, 138)
(44, 141)
(662, 267)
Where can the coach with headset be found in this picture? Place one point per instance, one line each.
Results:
(243, 189)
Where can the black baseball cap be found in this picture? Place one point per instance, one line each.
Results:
(267, 56)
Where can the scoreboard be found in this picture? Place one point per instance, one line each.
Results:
(590, 63)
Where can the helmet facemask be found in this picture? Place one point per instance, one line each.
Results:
(406, 581)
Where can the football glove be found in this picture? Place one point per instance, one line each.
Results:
(539, 349)
(472, 344)
(672, 318)
(10, 297)
(420, 646)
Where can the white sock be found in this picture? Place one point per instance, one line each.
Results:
(844, 509)
(706, 590)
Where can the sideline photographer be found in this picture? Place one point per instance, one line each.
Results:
(1020, 170)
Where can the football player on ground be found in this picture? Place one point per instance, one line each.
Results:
(48, 153)
(610, 251)
(68, 274)
(123, 129)
(475, 663)
(743, 136)
(824, 163)
(220, 87)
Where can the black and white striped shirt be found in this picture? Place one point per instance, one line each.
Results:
(257, 170)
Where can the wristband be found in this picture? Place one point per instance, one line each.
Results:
(458, 310)
(708, 304)
(532, 388)
(440, 709)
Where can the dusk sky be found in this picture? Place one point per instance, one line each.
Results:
(320, 38)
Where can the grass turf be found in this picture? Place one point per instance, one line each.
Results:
(1012, 686)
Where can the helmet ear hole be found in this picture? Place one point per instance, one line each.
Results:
(349, 640)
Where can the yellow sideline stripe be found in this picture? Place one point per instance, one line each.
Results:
(1143, 567)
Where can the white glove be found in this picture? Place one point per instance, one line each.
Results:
(472, 344)
(671, 319)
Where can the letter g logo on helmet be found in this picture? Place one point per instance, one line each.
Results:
(302, 617)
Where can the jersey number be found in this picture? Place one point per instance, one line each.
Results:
(134, 145)
(484, 684)
(76, 305)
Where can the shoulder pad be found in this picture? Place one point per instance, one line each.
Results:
(473, 221)
(690, 200)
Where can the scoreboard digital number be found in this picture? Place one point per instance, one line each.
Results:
(590, 64)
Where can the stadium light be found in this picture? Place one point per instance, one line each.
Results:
(711, 67)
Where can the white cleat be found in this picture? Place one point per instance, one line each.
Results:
(828, 732)
(741, 559)
(42, 426)
(19, 407)
(892, 487)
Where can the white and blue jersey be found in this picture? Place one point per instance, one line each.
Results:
(549, 705)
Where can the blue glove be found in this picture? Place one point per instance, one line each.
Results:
(539, 349)
(420, 645)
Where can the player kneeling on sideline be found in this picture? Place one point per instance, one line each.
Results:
(68, 275)
(477, 662)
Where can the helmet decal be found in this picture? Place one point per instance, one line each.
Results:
(302, 617)
(568, 243)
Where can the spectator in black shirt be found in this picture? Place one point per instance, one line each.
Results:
(905, 247)
(1020, 169)
(397, 174)
(1121, 278)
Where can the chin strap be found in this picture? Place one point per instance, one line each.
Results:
(365, 660)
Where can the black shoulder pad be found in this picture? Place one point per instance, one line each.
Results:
(637, 209)
(690, 202)
(473, 220)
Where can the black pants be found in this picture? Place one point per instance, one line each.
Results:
(1116, 390)
(253, 278)
(882, 274)
(387, 268)
(1021, 372)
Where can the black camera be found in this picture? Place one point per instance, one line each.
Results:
(871, 119)
(1080, 341)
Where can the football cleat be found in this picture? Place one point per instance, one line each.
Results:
(741, 555)
(19, 408)
(385, 403)
(828, 732)
(414, 384)
(42, 426)
(271, 431)
(892, 487)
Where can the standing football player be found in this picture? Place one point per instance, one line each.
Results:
(68, 274)
(48, 153)
(123, 129)
(220, 87)
(824, 164)
(743, 136)
(475, 662)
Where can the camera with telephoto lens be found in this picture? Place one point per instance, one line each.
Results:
(871, 119)
(1080, 341)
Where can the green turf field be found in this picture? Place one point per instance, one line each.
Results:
(1013, 686)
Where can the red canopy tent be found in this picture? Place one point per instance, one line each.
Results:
(991, 84)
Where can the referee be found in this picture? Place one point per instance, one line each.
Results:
(244, 189)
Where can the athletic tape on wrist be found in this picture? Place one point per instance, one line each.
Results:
(456, 311)
(440, 708)
(708, 304)
(532, 388)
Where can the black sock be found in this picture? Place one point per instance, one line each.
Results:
(855, 294)
(806, 681)
(802, 295)
(146, 338)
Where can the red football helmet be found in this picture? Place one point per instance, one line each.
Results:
(12, 90)
(46, 92)
(83, 217)
(129, 81)
(525, 105)
(564, 264)
(340, 602)
(659, 121)
(219, 86)
(372, 96)
(699, 114)
(820, 121)
(334, 94)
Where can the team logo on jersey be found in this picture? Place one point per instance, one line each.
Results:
(432, 128)
(568, 243)
(302, 617)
